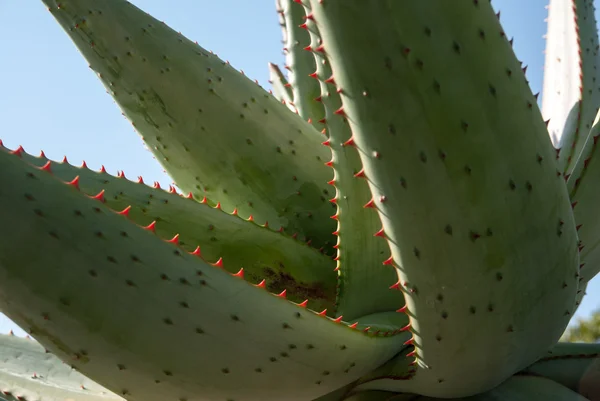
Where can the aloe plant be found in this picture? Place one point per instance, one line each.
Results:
(393, 222)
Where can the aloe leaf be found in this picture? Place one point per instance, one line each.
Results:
(148, 320)
(285, 263)
(281, 87)
(584, 193)
(28, 372)
(361, 274)
(217, 133)
(570, 96)
(479, 222)
(300, 62)
(522, 388)
(575, 366)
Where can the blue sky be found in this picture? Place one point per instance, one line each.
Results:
(52, 101)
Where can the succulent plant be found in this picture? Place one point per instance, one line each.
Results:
(392, 222)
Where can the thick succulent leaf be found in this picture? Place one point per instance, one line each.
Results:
(362, 275)
(585, 194)
(479, 224)
(148, 320)
(576, 366)
(28, 372)
(216, 132)
(299, 61)
(285, 263)
(571, 96)
(281, 87)
(522, 388)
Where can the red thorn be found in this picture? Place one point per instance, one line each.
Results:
(140, 179)
(337, 257)
(323, 313)
(338, 319)
(42, 154)
(125, 212)
(262, 284)
(340, 112)
(156, 184)
(360, 174)
(47, 167)
(218, 263)
(379, 233)
(83, 164)
(196, 252)
(330, 80)
(99, 196)
(410, 342)
(303, 26)
(151, 227)
(320, 49)
(251, 218)
(370, 204)
(337, 268)
(336, 216)
(326, 143)
(120, 174)
(336, 233)
(64, 160)
(218, 206)
(329, 163)
(204, 200)
(240, 273)
(309, 16)
(395, 286)
(18, 151)
(403, 309)
(389, 261)
(349, 142)
(333, 200)
(332, 182)
(319, 99)
(406, 328)
(172, 189)
(323, 121)
(282, 294)
(309, 47)
(174, 240)
(102, 169)
(189, 195)
(74, 183)
(411, 353)
(353, 325)
(303, 304)
(313, 75)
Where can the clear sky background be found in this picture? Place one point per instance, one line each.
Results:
(51, 100)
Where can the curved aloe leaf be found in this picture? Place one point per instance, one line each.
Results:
(570, 96)
(150, 321)
(300, 63)
(217, 133)
(361, 276)
(285, 263)
(281, 87)
(576, 366)
(523, 388)
(479, 224)
(585, 195)
(28, 372)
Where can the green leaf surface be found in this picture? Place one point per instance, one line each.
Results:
(576, 366)
(285, 264)
(28, 372)
(148, 320)
(479, 223)
(217, 133)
